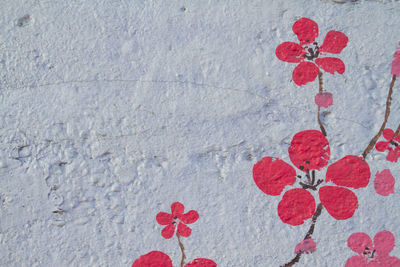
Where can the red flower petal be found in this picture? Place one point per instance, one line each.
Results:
(357, 242)
(271, 175)
(334, 42)
(306, 246)
(168, 231)
(350, 171)
(331, 64)
(384, 243)
(388, 134)
(164, 218)
(309, 150)
(189, 217)
(340, 202)
(296, 206)
(393, 155)
(183, 230)
(201, 263)
(384, 183)
(356, 261)
(388, 261)
(382, 146)
(289, 52)
(304, 73)
(154, 258)
(177, 208)
(306, 30)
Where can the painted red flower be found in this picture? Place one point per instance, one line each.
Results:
(153, 259)
(391, 144)
(372, 253)
(177, 219)
(309, 152)
(308, 53)
(201, 263)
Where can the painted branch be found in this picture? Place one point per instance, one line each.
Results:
(182, 249)
(387, 113)
(310, 231)
(320, 82)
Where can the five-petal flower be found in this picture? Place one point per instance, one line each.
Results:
(392, 145)
(309, 151)
(176, 219)
(307, 52)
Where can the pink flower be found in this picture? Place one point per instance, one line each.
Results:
(307, 51)
(396, 63)
(392, 145)
(324, 99)
(177, 218)
(384, 183)
(372, 254)
(306, 246)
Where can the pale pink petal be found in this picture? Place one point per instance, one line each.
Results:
(306, 246)
(384, 183)
(358, 242)
(396, 64)
(356, 261)
(393, 155)
(375, 263)
(384, 243)
(388, 261)
(324, 99)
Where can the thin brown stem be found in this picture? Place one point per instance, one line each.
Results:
(320, 88)
(317, 213)
(182, 249)
(387, 113)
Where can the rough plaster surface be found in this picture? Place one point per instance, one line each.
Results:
(112, 110)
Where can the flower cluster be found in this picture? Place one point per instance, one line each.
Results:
(391, 144)
(309, 152)
(370, 253)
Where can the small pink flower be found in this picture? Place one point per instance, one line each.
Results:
(372, 253)
(306, 246)
(177, 218)
(392, 145)
(324, 99)
(396, 63)
(384, 183)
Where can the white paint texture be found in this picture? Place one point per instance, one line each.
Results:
(112, 110)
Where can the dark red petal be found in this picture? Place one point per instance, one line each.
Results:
(309, 150)
(154, 258)
(177, 208)
(334, 42)
(331, 64)
(271, 175)
(189, 217)
(296, 206)
(350, 171)
(356, 261)
(183, 230)
(306, 30)
(388, 134)
(201, 263)
(384, 243)
(357, 242)
(304, 73)
(289, 52)
(382, 146)
(340, 202)
(164, 218)
(168, 231)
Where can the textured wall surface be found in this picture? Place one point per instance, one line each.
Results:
(113, 110)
